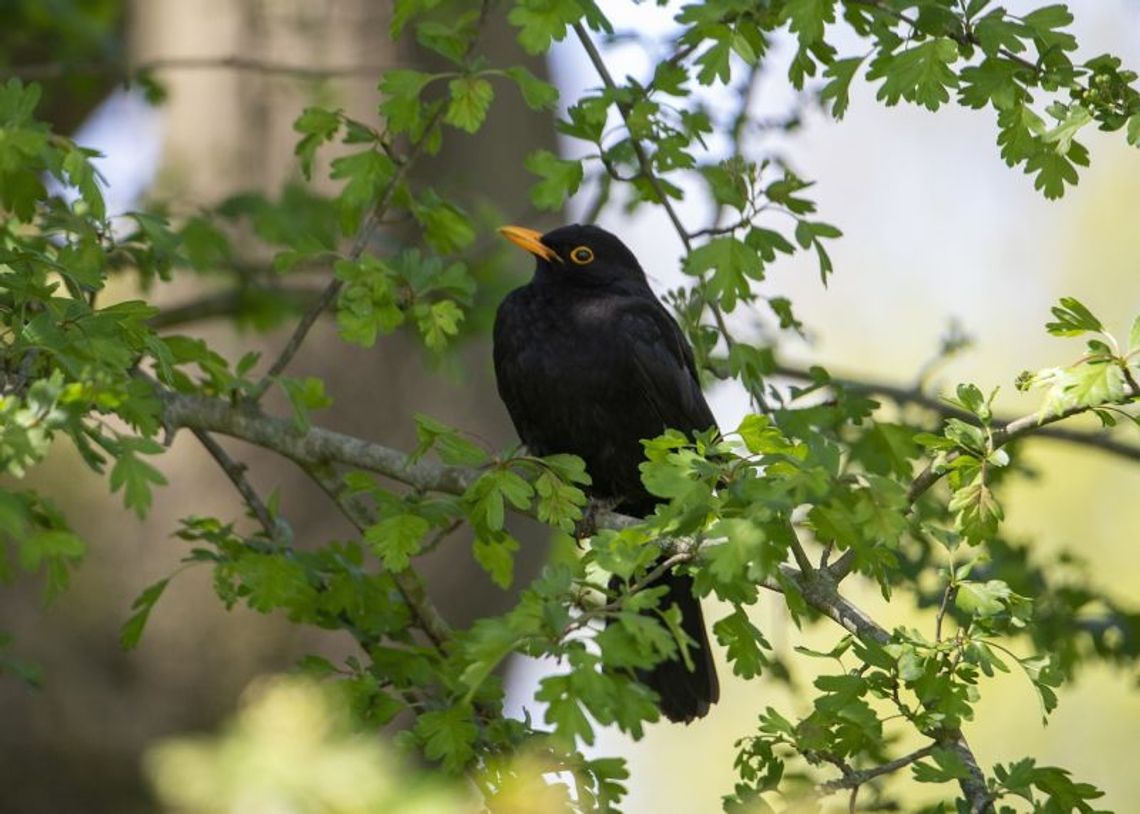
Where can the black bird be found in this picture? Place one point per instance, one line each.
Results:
(588, 362)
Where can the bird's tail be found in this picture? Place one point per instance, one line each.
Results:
(685, 694)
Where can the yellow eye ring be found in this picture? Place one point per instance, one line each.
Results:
(582, 255)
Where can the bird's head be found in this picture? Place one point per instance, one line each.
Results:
(578, 253)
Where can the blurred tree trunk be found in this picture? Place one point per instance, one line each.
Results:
(75, 746)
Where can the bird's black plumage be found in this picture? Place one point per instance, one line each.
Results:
(589, 362)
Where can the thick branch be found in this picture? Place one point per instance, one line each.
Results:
(41, 71)
(313, 448)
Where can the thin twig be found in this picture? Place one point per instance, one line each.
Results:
(638, 149)
(236, 473)
(646, 167)
(857, 777)
(910, 395)
(1010, 432)
(408, 582)
(442, 535)
(228, 303)
(364, 236)
(654, 574)
(950, 589)
(359, 245)
(798, 552)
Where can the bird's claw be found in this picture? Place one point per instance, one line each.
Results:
(587, 526)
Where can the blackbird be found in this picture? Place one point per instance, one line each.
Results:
(588, 362)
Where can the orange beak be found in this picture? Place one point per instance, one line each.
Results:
(530, 240)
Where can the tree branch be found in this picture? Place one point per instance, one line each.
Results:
(1010, 432)
(366, 230)
(853, 779)
(409, 583)
(820, 592)
(40, 71)
(230, 302)
(317, 449)
(1018, 428)
(646, 167)
(909, 395)
(277, 530)
(638, 148)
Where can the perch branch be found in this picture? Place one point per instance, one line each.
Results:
(318, 448)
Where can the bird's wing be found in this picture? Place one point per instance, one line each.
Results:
(663, 363)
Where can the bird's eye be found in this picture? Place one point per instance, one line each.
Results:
(582, 255)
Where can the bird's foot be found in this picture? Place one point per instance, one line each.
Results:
(588, 525)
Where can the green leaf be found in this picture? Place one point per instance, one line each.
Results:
(744, 642)
(401, 109)
(838, 90)
(568, 467)
(761, 436)
(1054, 170)
(996, 32)
(54, 550)
(1044, 22)
(807, 18)
(540, 21)
(564, 711)
(982, 599)
(137, 476)
(485, 497)
(448, 736)
(1045, 677)
(1133, 131)
(470, 99)
(948, 767)
(318, 125)
(1094, 383)
(396, 539)
(438, 323)
(559, 503)
(977, 511)
(271, 581)
(732, 264)
(994, 82)
(451, 447)
(133, 628)
(560, 179)
(1073, 319)
(447, 228)
(494, 550)
(537, 94)
(1134, 336)
(1063, 134)
(920, 74)
(304, 395)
